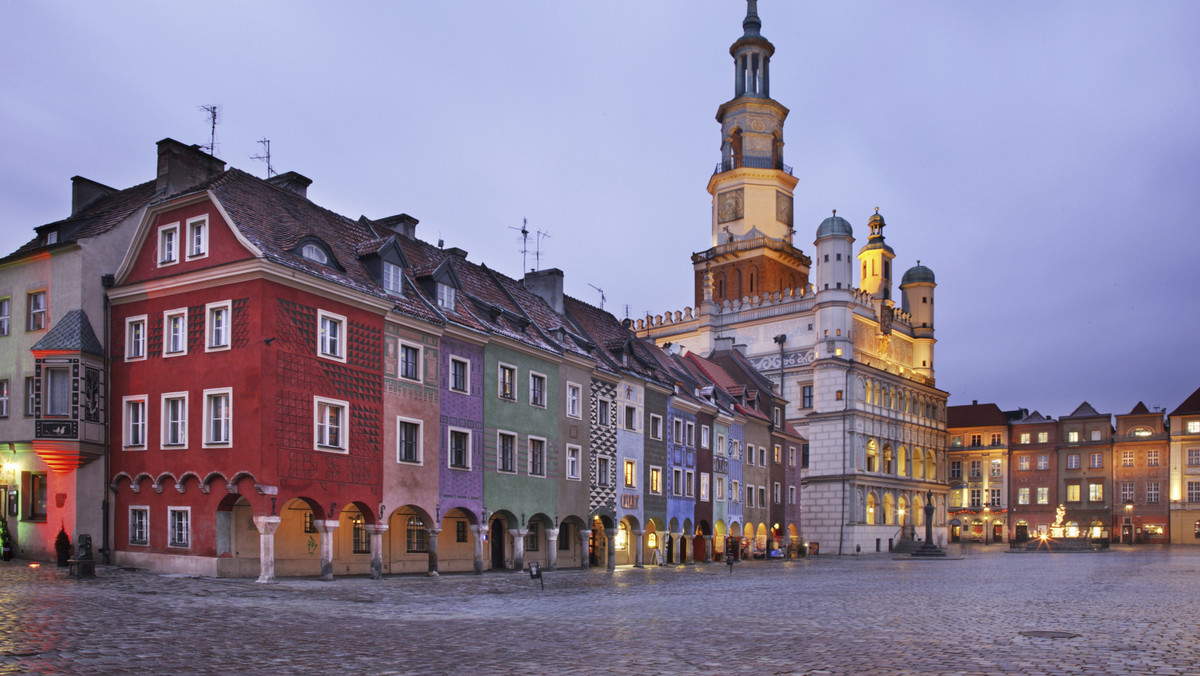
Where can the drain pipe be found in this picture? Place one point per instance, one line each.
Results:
(845, 404)
(107, 282)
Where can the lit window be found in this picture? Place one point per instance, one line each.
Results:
(1096, 492)
(217, 326)
(218, 417)
(630, 474)
(1142, 432)
(359, 542)
(331, 340)
(1025, 437)
(329, 425)
(995, 468)
(135, 421)
(393, 280)
(508, 382)
(574, 401)
(537, 456)
(1072, 492)
(3, 398)
(573, 453)
(410, 362)
(537, 390)
(408, 440)
(656, 480)
(168, 244)
(1043, 437)
(506, 450)
(460, 448)
(445, 296)
(1023, 496)
(36, 491)
(1043, 462)
(1193, 427)
(704, 486)
(460, 375)
(135, 338)
(175, 333)
(57, 382)
(139, 526)
(1043, 495)
(197, 237)
(174, 419)
(5, 315)
(779, 454)
(1072, 437)
(179, 519)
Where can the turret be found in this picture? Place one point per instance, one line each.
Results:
(876, 258)
(835, 247)
(916, 289)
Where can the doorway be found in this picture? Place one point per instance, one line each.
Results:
(497, 538)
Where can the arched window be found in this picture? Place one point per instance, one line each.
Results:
(902, 467)
(415, 536)
(887, 459)
(902, 515)
(918, 511)
(918, 464)
(889, 509)
(872, 457)
(930, 466)
(315, 253)
(870, 508)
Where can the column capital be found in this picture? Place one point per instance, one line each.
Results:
(267, 525)
(518, 532)
(433, 531)
(326, 525)
(376, 528)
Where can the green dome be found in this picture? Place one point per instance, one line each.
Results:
(917, 273)
(835, 226)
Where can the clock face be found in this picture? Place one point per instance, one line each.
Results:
(783, 208)
(729, 206)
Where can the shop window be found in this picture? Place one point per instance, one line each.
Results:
(35, 496)
(415, 536)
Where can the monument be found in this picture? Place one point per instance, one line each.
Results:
(929, 549)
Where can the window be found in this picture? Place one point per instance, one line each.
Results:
(602, 413)
(1127, 491)
(976, 439)
(506, 452)
(630, 474)
(537, 456)
(5, 315)
(690, 433)
(956, 441)
(806, 397)
(460, 448)
(573, 453)
(197, 238)
(778, 418)
(1072, 437)
(976, 469)
(704, 436)
(135, 421)
(804, 456)
(656, 480)
(460, 531)
(719, 494)
(1043, 437)
(1043, 462)
(704, 486)
(762, 496)
(1043, 495)
(995, 497)
(139, 526)
(976, 500)
(359, 542)
(180, 523)
(410, 362)
(1193, 457)
(995, 468)
(749, 496)
(677, 429)
(631, 418)
(1193, 427)
(175, 332)
(677, 481)
(57, 382)
(749, 454)
(689, 485)
(1023, 496)
(330, 428)
(218, 417)
(1152, 492)
(393, 281)
(460, 375)
(1096, 492)
(996, 439)
(1023, 462)
(1127, 458)
(574, 400)
(537, 390)
(174, 419)
(216, 328)
(531, 537)
(778, 454)
(315, 253)
(168, 245)
(564, 537)
(1096, 434)
(135, 338)
(3, 398)
(1193, 491)
(408, 440)
(1073, 461)
(1096, 460)
(656, 426)
(415, 536)
(36, 490)
(1073, 493)
(791, 495)
(445, 296)
(603, 471)
(777, 495)
(331, 330)
(1152, 458)
(720, 449)
(735, 491)
(791, 456)
(1025, 437)
(508, 382)
(762, 456)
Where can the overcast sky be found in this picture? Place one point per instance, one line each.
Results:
(1041, 157)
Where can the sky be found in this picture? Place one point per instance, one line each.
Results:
(1041, 157)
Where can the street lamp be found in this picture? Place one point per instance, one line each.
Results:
(987, 523)
(1129, 520)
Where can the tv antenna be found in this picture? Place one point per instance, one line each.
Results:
(214, 118)
(266, 156)
(537, 254)
(602, 298)
(524, 230)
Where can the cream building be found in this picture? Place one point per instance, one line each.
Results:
(858, 372)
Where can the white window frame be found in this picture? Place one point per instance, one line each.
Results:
(446, 296)
(574, 400)
(168, 258)
(419, 449)
(791, 495)
(211, 395)
(168, 316)
(750, 454)
(529, 444)
(211, 327)
(656, 488)
(450, 450)
(720, 449)
(166, 420)
(343, 445)
(689, 433)
(735, 491)
(199, 223)
(705, 436)
(144, 510)
(135, 348)
(1042, 494)
(500, 369)
(630, 414)
(777, 493)
(676, 482)
(656, 426)
(392, 273)
(127, 404)
(466, 375)
(749, 496)
(172, 541)
(704, 483)
(689, 490)
(533, 376)
(52, 375)
(719, 491)
(629, 479)
(677, 431)
(574, 463)
(41, 314)
(4, 398)
(420, 361)
(5, 316)
(339, 351)
(500, 434)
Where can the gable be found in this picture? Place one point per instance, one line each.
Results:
(166, 242)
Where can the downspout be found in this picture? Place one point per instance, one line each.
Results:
(107, 282)
(845, 400)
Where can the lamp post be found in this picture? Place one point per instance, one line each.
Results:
(902, 527)
(1128, 520)
(987, 524)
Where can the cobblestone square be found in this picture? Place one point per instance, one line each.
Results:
(1126, 611)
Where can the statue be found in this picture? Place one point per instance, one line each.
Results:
(1059, 514)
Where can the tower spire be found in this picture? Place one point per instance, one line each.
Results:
(752, 24)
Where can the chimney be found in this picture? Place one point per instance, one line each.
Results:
(84, 191)
(181, 167)
(548, 285)
(292, 182)
(724, 344)
(740, 347)
(455, 251)
(403, 224)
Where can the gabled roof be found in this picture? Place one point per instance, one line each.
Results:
(1032, 418)
(975, 415)
(1140, 409)
(96, 218)
(1085, 410)
(1189, 405)
(72, 333)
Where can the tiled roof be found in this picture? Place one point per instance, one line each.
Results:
(72, 333)
(1034, 417)
(1085, 410)
(1189, 405)
(975, 415)
(1140, 409)
(96, 218)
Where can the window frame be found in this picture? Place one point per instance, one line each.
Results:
(677, 482)
(466, 364)
(509, 393)
(169, 335)
(210, 395)
(689, 433)
(5, 315)
(167, 422)
(168, 232)
(467, 450)
(389, 272)
(446, 297)
(197, 224)
(418, 445)
(136, 342)
(538, 459)
(172, 541)
(144, 510)
(37, 496)
(705, 436)
(574, 463)
(40, 313)
(656, 480)
(54, 376)
(604, 412)
(629, 476)
(4, 397)
(656, 422)
(402, 347)
(689, 489)
(320, 442)
(501, 435)
(574, 403)
(129, 403)
(340, 349)
(603, 470)
(538, 395)
(631, 417)
(416, 535)
(212, 311)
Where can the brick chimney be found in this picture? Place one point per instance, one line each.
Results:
(84, 191)
(181, 167)
(292, 182)
(403, 224)
(547, 284)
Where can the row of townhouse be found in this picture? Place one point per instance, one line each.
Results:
(224, 378)
(1016, 475)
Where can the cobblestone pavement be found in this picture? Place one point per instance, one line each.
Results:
(1129, 611)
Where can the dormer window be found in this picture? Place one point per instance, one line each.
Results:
(1142, 432)
(52, 237)
(445, 296)
(168, 244)
(393, 280)
(314, 253)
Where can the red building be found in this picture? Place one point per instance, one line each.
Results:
(1033, 486)
(1141, 451)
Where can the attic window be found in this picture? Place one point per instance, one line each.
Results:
(392, 279)
(314, 252)
(445, 296)
(52, 237)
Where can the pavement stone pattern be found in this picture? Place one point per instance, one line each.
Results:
(1133, 611)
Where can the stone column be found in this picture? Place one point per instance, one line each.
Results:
(675, 549)
(266, 526)
(708, 545)
(585, 544)
(478, 532)
(518, 536)
(637, 553)
(376, 532)
(326, 529)
(433, 555)
(611, 534)
(787, 546)
(552, 543)
(691, 552)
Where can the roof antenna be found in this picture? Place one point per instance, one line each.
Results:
(524, 239)
(627, 311)
(266, 156)
(214, 113)
(602, 298)
(537, 254)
